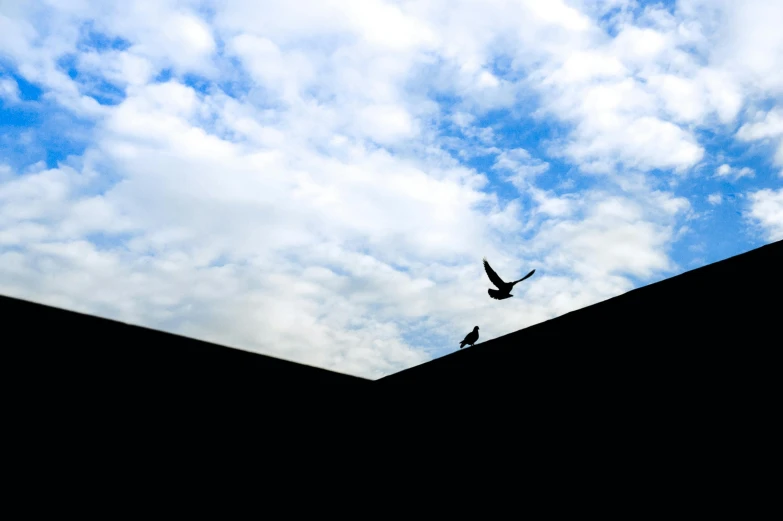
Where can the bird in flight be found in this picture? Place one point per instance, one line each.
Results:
(470, 338)
(504, 288)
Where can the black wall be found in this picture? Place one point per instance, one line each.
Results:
(59, 348)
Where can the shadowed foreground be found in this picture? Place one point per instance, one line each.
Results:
(716, 326)
(78, 350)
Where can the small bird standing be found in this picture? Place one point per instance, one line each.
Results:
(504, 288)
(470, 338)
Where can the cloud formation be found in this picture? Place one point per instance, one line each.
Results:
(767, 208)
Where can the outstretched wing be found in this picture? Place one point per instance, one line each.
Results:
(497, 281)
(526, 276)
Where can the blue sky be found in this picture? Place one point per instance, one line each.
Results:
(319, 181)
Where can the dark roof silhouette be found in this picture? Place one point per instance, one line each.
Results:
(74, 349)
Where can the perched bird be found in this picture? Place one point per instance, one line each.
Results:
(504, 288)
(470, 338)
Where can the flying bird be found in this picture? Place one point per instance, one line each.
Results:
(504, 288)
(470, 338)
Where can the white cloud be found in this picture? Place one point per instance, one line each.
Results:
(745, 39)
(722, 91)
(463, 119)
(552, 205)
(615, 235)
(770, 126)
(163, 34)
(119, 67)
(767, 126)
(585, 66)
(9, 90)
(386, 124)
(727, 171)
(644, 143)
(616, 123)
(766, 207)
(522, 167)
(715, 199)
(385, 25)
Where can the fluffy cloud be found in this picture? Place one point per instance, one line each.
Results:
(613, 235)
(9, 90)
(520, 166)
(744, 39)
(726, 171)
(768, 127)
(766, 207)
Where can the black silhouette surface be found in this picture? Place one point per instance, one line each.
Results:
(715, 329)
(68, 351)
(504, 288)
(470, 338)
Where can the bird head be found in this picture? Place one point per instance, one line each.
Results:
(475, 328)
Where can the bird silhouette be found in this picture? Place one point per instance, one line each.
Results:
(470, 338)
(504, 288)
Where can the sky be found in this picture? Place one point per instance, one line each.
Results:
(319, 180)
